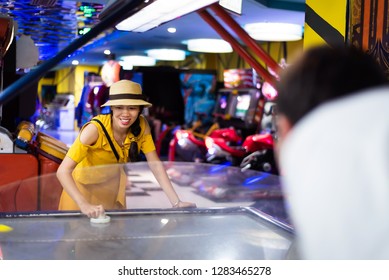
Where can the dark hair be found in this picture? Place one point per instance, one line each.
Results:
(324, 73)
(133, 154)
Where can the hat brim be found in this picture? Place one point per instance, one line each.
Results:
(127, 102)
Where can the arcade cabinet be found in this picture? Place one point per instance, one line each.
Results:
(23, 166)
(240, 101)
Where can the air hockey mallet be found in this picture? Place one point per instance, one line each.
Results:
(102, 219)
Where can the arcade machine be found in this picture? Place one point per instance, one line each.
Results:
(62, 108)
(23, 158)
(248, 106)
(240, 102)
(235, 112)
(197, 90)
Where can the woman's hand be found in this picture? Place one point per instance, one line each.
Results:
(92, 211)
(183, 204)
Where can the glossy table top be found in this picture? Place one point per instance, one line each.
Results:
(150, 234)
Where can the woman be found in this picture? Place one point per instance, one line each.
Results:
(117, 137)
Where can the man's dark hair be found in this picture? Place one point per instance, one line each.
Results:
(322, 74)
(133, 154)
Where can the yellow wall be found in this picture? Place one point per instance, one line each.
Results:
(64, 79)
(79, 79)
(325, 22)
(69, 80)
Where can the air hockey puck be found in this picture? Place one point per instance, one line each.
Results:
(101, 220)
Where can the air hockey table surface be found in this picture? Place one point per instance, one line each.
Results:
(235, 233)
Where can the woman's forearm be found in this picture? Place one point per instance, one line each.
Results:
(163, 179)
(159, 171)
(64, 175)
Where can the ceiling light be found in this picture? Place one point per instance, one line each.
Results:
(234, 6)
(138, 60)
(171, 30)
(126, 65)
(209, 46)
(167, 54)
(272, 31)
(160, 11)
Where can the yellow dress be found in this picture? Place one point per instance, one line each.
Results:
(97, 175)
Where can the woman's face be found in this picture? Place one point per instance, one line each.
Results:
(124, 116)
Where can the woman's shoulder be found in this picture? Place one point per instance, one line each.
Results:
(105, 119)
(89, 134)
(143, 121)
(101, 121)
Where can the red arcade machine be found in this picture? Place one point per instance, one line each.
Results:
(234, 116)
(248, 108)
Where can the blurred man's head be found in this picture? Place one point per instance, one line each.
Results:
(322, 74)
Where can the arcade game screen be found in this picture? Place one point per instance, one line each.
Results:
(198, 92)
(242, 105)
(222, 103)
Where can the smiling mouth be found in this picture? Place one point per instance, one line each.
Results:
(124, 121)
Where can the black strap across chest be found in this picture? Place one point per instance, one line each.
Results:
(108, 138)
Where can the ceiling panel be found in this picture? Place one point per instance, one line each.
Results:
(54, 24)
(51, 24)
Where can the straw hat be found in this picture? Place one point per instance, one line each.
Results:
(125, 92)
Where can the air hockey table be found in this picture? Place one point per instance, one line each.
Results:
(234, 233)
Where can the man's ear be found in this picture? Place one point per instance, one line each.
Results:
(283, 126)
